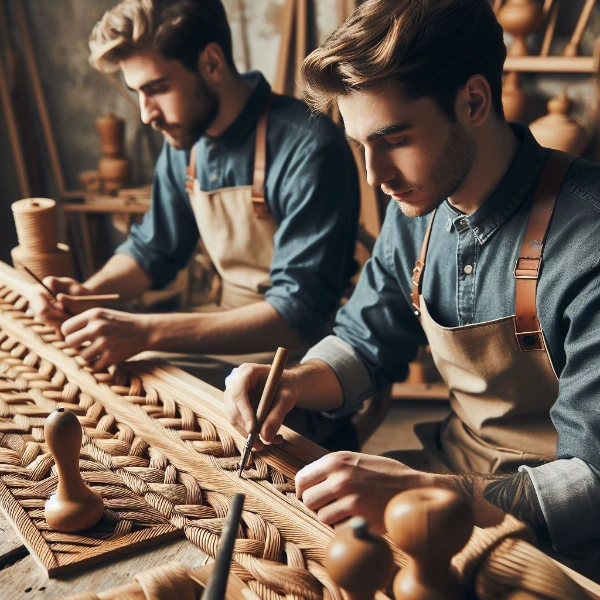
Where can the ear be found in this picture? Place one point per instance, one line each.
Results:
(474, 101)
(212, 63)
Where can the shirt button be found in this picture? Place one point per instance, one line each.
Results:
(213, 177)
(468, 269)
(463, 223)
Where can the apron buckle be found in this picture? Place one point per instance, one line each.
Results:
(417, 272)
(527, 267)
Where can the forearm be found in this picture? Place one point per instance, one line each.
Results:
(121, 275)
(494, 495)
(254, 328)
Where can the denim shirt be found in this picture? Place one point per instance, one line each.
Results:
(469, 279)
(311, 190)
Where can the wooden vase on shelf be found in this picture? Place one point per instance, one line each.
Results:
(514, 99)
(519, 18)
(558, 129)
(113, 167)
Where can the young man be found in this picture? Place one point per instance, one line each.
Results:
(419, 87)
(270, 190)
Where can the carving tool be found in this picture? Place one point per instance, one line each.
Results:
(217, 585)
(264, 406)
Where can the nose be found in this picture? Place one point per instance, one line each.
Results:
(148, 110)
(379, 167)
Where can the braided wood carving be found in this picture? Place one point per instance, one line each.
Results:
(155, 443)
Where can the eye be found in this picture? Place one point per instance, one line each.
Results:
(159, 88)
(400, 143)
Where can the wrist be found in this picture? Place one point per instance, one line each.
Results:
(152, 332)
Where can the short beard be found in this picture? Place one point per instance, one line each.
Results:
(448, 173)
(190, 135)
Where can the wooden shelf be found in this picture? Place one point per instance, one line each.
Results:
(552, 64)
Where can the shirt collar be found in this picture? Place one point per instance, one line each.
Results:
(511, 191)
(246, 120)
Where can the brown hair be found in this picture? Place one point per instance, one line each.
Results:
(428, 47)
(177, 29)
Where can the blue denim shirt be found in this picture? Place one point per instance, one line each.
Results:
(312, 192)
(377, 334)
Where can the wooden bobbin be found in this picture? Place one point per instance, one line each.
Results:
(35, 222)
(359, 561)
(74, 506)
(430, 525)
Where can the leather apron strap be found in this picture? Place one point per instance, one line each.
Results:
(261, 210)
(527, 268)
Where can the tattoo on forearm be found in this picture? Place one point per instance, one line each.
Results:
(514, 494)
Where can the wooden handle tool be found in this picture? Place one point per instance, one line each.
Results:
(217, 585)
(264, 406)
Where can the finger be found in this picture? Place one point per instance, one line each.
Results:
(91, 352)
(238, 385)
(77, 338)
(321, 494)
(311, 475)
(338, 511)
(282, 405)
(72, 305)
(103, 362)
(75, 323)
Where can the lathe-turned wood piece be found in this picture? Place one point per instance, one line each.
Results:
(359, 561)
(74, 506)
(113, 166)
(519, 18)
(430, 525)
(558, 129)
(514, 99)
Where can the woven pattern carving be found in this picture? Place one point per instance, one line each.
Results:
(167, 444)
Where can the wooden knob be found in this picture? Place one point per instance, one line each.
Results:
(74, 506)
(430, 525)
(359, 561)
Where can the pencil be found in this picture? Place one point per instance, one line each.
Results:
(264, 406)
(92, 297)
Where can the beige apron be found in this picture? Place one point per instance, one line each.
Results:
(501, 379)
(237, 229)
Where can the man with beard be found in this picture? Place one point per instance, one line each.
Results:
(488, 252)
(269, 189)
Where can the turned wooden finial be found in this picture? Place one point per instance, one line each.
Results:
(359, 561)
(520, 18)
(74, 506)
(558, 129)
(430, 525)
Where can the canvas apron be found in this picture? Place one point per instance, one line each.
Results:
(501, 380)
(237, 228)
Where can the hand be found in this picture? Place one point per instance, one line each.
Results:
(51, 310)
(348, 484)
(106, 336)
(243, 389)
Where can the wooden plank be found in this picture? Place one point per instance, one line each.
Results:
(27, 582)
(551, 64)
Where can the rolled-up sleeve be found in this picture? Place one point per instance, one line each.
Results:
(376, 333)
(165, 239)
(568, 491)
(318, 201)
